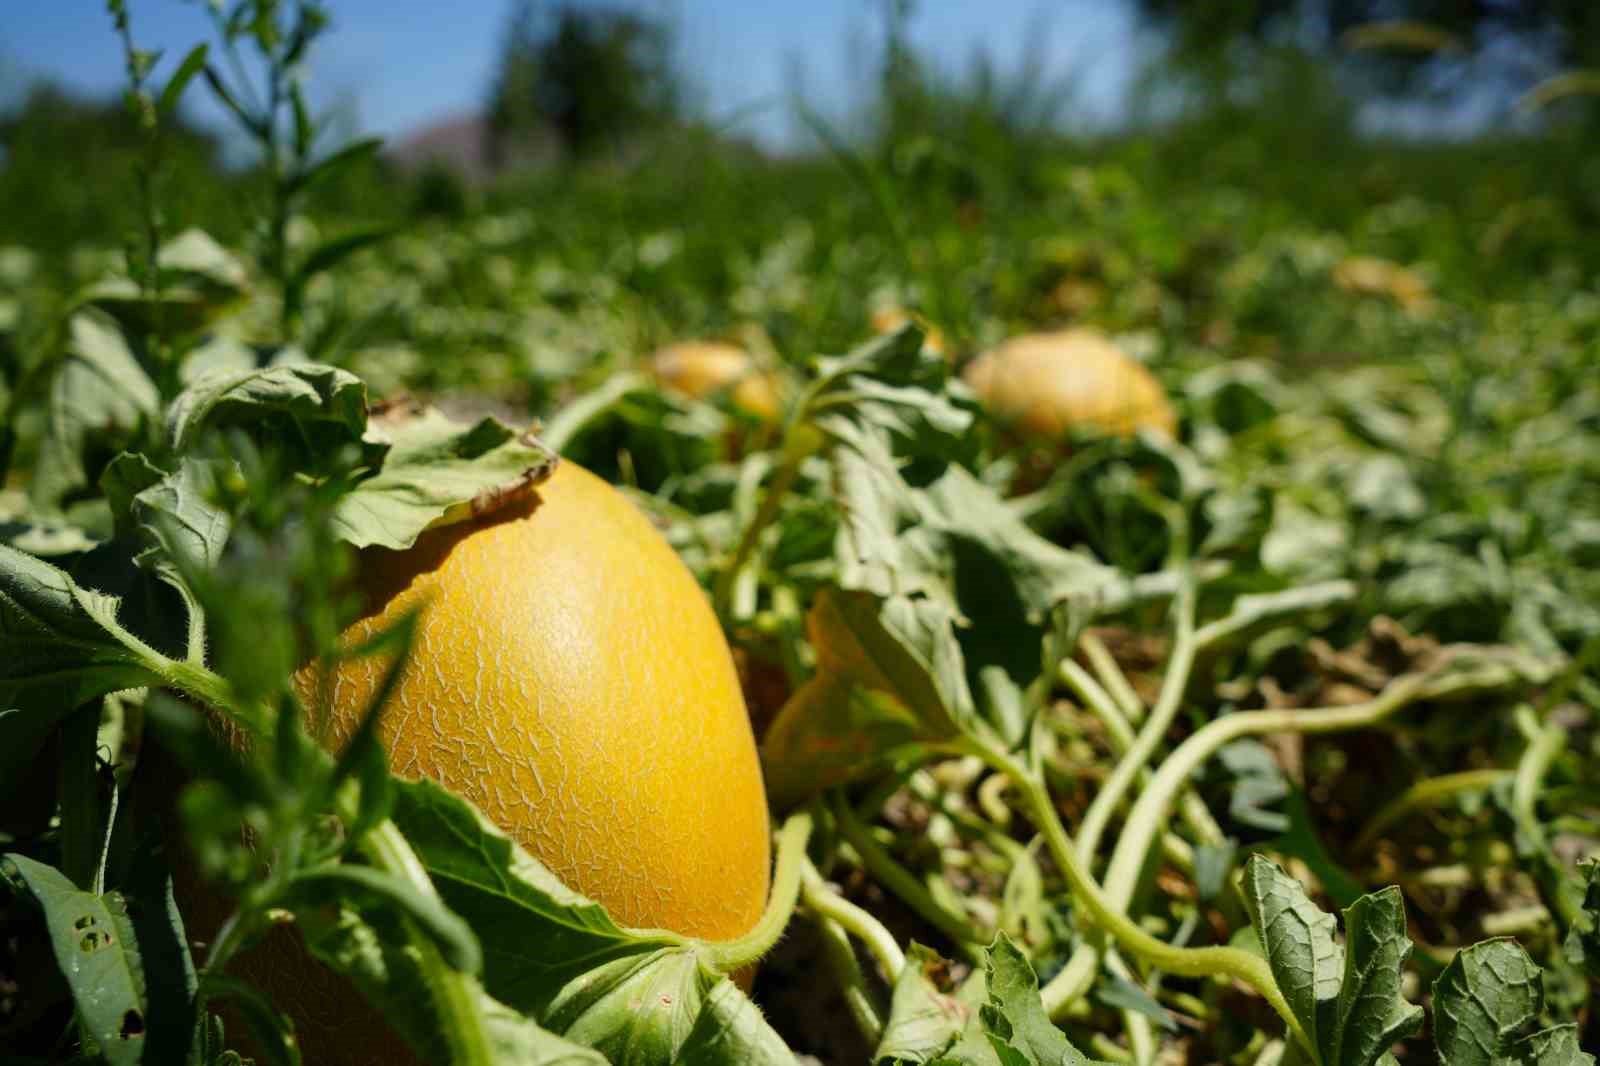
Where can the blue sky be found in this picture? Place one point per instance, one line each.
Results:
(399, 64)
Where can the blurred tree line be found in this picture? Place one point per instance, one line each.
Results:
(600, 78)
(592, 76)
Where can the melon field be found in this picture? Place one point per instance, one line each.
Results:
(971, 597)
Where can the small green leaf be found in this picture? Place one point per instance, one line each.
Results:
(1017, 1025)
(923, 1022)
(64, 646)
(99, 397)
(665, 1006)
(95, 948)
(437, 471)
(334, 251)
(304, 129)
(177, 513)
(1483, 1002)
(350, 154)
(1583, 940)
(219, 88)
(192, 64)
(1124, 995)
(124, 478)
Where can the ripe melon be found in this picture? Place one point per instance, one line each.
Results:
(570, 678)
(1047, 383)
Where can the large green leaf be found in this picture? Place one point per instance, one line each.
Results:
(1484, 1005)
(558, 957)
(1347, 1000)
(99, 397)
(325, 404)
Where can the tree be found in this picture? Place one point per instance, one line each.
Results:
(591, 75)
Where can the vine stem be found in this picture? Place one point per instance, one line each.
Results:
(902, 882)
(1546, 744)
(1111, 676)
(1173, 685)
(852, 985)
(771, 502)
(1149, 814)
(455, 994)
(824, 902)
(729, 955)
(1428, 793)
(1241, 965)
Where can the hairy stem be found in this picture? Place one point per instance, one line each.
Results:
(730, 955)
(852, 983)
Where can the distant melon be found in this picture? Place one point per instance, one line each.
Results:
(1045, 384)
(701, 369)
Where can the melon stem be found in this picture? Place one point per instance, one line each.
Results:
(728, 956)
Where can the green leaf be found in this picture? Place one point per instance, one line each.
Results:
(888, 673)
(95, 948)
(1017, 1025)
(453, 937)
(517, 1041)
(1484, 1004)
(1555, 1046)
(1348, 999)
(544, 934)
(960, 507)
(1583, 939)
(123, 479)
(192, 64)
(327, 404)
(220, 89)
(99, 396)
(1483, 1001)
(437, 471)
(170, 976)
(1123, 995)
(923, 1022)
(550, 953)
(665, 1006)
(731, 1030)
(350, 154)
(174, 511)
(332, 252)
(64, 646)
